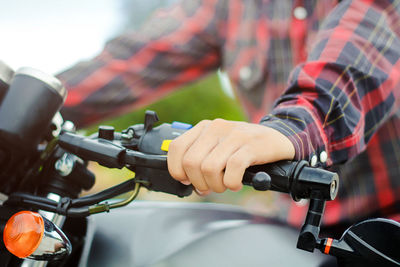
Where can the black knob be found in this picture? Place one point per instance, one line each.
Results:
(261, 181)
(149, 120)
(106, 132)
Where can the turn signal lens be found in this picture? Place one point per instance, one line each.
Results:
(23, 233)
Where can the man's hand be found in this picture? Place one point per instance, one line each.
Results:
(213, 155)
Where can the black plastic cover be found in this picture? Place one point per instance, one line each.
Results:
(26, 112)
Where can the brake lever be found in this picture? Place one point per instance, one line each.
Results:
(103, 151)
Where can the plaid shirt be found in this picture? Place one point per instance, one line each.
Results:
(340, 104)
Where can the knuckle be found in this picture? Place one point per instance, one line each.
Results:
(200, 186)
(207, 168)
(218, 122)
(233, 184)
(190, 162)
(203, 122)
(235, 161)
(177, 175)
(219, 189)
(213, 174)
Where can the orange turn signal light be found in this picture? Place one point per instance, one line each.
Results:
(23, 233)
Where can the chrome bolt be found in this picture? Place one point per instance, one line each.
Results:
(129, 135)
(69, 126)
(65, 164)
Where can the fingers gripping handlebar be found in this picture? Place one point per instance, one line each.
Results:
(295, 178)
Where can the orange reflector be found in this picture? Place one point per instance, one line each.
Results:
(23, 233)
(328, 245)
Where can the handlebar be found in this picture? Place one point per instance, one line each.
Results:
(295, 178)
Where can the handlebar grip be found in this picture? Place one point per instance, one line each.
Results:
(260, 181)
(160, 181)
(295, 178)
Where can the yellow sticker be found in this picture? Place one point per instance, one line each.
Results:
(165, 145)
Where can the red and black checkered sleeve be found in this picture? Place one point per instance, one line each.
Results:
(347, 87)
(176, 46)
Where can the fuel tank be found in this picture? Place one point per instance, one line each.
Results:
(191, 234)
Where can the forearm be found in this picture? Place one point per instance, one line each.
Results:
(175, 47)
(347, 87)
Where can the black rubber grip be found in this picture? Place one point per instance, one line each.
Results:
(295, 178)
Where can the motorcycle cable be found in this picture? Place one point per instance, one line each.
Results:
(105, 207)
(80, 207)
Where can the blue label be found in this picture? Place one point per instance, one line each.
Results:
(181, 125)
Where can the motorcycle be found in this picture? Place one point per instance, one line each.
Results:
(44, 221)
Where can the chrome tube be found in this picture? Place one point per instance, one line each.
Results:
(55, 218)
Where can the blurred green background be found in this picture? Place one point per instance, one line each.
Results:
(204, 99)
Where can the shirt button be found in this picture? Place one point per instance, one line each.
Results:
(245, 73)
(314, 161)
(300, 13)
(323, 156)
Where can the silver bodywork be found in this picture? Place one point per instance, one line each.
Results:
(191, 234)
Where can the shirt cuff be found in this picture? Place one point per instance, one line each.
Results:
(302, 129)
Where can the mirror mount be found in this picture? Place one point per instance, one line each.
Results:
(309, 234)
